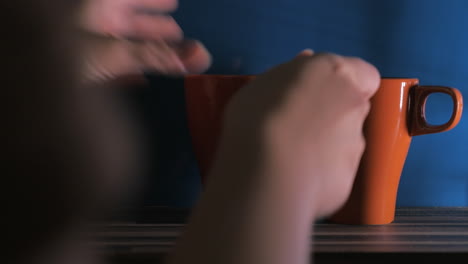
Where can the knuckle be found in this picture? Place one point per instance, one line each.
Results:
(367, 75)
(357, 79)
(328, 64)
(357, 76)
(333, 61)
(341, 69)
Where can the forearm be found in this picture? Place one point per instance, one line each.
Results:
(248, 219)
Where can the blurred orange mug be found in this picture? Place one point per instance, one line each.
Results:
(397, 113)
(206, 97)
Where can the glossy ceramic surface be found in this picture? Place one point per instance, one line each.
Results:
(397, 113)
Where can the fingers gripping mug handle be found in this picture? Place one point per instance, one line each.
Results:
(418, 123)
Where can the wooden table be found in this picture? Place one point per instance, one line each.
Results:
(430, 234)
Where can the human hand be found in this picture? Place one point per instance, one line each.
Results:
(127, 37)
(299, 127)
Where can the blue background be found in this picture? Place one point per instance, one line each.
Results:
(427, 39)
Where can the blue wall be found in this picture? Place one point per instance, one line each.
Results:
(427, 39)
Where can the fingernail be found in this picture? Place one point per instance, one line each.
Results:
(306, 52)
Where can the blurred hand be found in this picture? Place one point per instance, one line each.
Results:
(299, 126)
(127, 37)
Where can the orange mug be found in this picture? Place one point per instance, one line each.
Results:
(397, 113)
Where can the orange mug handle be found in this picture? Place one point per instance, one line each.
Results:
(418, 121)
